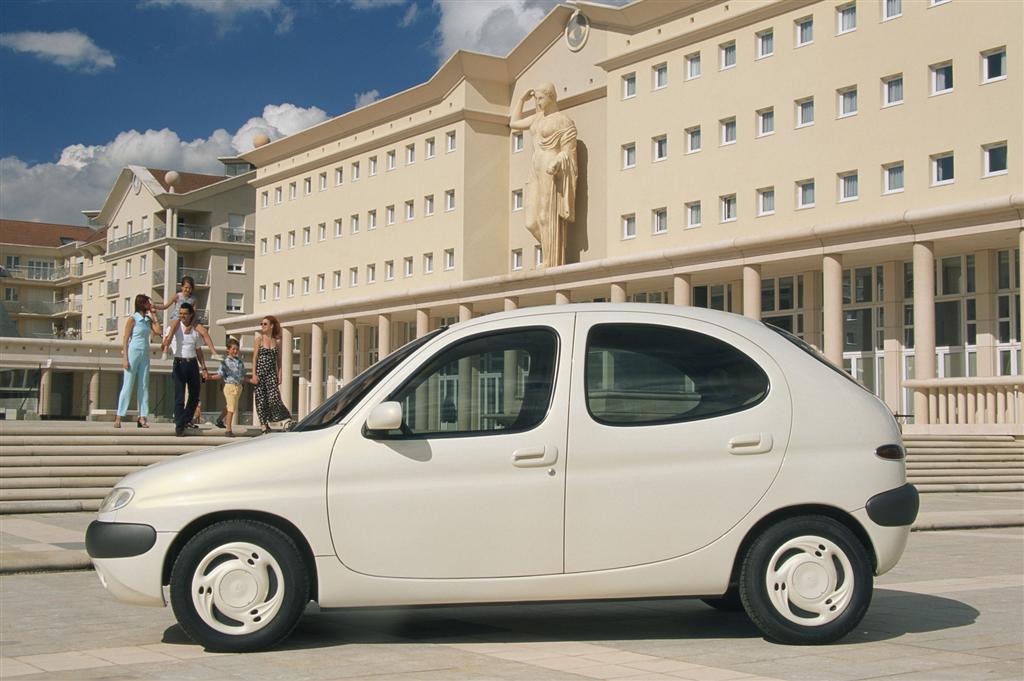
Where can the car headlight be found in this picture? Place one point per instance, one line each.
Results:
(118, 498)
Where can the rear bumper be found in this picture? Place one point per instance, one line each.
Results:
(895, 507)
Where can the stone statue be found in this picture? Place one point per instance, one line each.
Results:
(551, 187)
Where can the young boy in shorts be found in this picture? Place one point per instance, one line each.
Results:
(232, 372)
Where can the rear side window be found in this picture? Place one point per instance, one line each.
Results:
(644, 374)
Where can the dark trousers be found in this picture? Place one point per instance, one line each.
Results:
(185, 373)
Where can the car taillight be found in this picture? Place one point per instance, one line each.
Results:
(891, 452)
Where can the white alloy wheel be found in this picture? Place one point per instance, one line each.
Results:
(237, 588)
(809, 580)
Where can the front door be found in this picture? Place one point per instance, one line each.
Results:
(472, 485)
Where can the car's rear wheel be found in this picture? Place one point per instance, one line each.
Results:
(806, 580)
(239, 586)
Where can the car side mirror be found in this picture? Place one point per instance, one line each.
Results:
(384, 417)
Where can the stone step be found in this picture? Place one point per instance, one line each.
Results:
(14, 472)
(960, 438)
(51, 493)
(963, 479)
(970, 487)
(919, 451)
(980, 459)
(974, 472)
(87, 449)
(116, 460)
(193, 440)
(62, 482)
(50, 506)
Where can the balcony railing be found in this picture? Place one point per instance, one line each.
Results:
(238, 236)
(113, 287)
(158, 277)
(188, 231)
(128, 241)
(111, 325)
(36, 273)
(159, 232)
(201, 276)
(971, 402)
(40, 307)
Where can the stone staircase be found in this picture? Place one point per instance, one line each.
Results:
(59, 466)
(965, 463)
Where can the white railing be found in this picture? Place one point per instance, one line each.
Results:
(989, 404)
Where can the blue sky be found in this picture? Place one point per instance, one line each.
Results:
(89, 86)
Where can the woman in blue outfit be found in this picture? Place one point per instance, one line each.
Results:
(135, 359)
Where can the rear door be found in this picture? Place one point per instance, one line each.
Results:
(677, 429)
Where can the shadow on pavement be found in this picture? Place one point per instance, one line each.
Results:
(892, 614)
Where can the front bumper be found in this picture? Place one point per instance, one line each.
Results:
(129, 560)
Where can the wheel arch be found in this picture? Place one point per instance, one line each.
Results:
(282, 524)
(781, 514)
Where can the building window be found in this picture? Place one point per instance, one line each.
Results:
(449, 141)
(354, 172)
(306, 236)
(693, 66)
(428, 263)
(538, 256)
(659, 220)
(407, 266)
(766, 201)
(265, 199)
(995, 158)
(942, 168)
(804, 112)
(629, 226)
(847, 101)
(323, 181)
(659, 77)
(291, 239)
(893, 177)
(353, 224)
(728, 203)
(389, 215)
(277, 243)
(410, 211)
(428, 204)
(339, 229)
(693, 139)
(766, 121)
(449, 200)
(848, 186)
(371, 274)
(392, 162)
(277, 290)
(263, 293)
(321, 283)
(307, 186)
(517, 259)
(629, 86)
(321, 231)
(373, 166)
(339, 175)
(277, 195)
(728, 130)
(517, 199)
(628, 156)
(891, 9)
(765, 43)
(727, 51)
(236, 263)
(993, 65)
(263, 246)
(429, 148)
(804, 31)
(942, 77)
(389, 270)
(659, 146)
(305, 286)
(293, 191)
(353, 276)
(337, 278)
(449, 259)
(693, 214)
(235, 302)
(291, 288)
(846, 18)
(805, 194)
(128, 268)
(410, 154)
(892, 90)
(517, 142)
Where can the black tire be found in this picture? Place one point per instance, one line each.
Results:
(242, 558)
(730, 602)
(822, 566)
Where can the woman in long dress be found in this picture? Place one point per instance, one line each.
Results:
(550, 194)
(266, 362)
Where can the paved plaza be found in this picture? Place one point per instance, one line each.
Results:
(952, 609)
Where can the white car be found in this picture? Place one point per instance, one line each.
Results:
(555, 453)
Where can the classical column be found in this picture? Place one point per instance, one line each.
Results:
(45, 388)
(304, 355)
(422, 322)
(348, 351)
(383, 336)
(812, 309)
(511, 303)
(682, 290)
(752, 291)
(736, 296)
(562, 298)
(832, 307)
(286, 368)
(331, 367)
(924, 323)
(171, 218)
(618, 293)
(985, 309)
(892, 344)
(316, 366)
(465, 312)
(94, 393)
(170, 273)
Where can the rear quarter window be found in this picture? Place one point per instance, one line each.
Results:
(646, 374)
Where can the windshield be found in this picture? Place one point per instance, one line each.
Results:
(806, 347)
(340, 403)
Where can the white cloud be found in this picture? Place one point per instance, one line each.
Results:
(84, 174)
(375, 4)
(493, 27)
(368, 97)
(226, 12)
(410, 16)
(70, 49)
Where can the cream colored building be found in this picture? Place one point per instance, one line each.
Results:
(849, 171)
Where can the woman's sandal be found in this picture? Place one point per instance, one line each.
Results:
(141, 423)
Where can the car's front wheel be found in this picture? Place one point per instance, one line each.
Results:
(806, 580)
(239, 586)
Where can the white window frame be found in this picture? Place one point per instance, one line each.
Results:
(885, 10)
(449, 259)
(321, 231)
(933, 77)
(517, 199)
(728, 207)
(307, 235)
(278, 195)
(538, 256)
(307, 186)
(429, 148)
(887, 188)
(339, 228)
(392, 159)
(428, 205)
(841, 12)
(237, 267)
(389, 215)
(761, 117)
(724, 127)
(323, 181)
(629, 226)
(985, 78)
(517, 259)
(762, 194)
(629, 150)
(723, 52)
(886, 102)
(339, 176)
(293, 191)
(410, 154)
(305, 286)
(629, 85)
(800, 122)
(265, 200)
(841, 188)
(263, 293)
(659, 221)
(389, 270)
(692, 61)
(371, 219)
(372, 166)
(428, 263)
(291, 239)
(760, 39)
(321, 282)
(517, 142)
(277, 243)
(798, 25)
(371, 273)
(693, 134)
(353, 223)
(449, 200)
(277, 290)
(353, 277)
(291, 288)
(450, 142)
(841, 94)
(659, 148)
(691, 208)
(410, 210)
(337, 279)
(801, 185)
(986, 159)
(934, 161)
(407, 265)
(264, 246)
(659, 76)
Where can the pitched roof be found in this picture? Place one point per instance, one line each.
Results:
(189, 182)
(26, 233)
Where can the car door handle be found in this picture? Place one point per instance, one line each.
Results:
(756, 443)
(530, 457)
